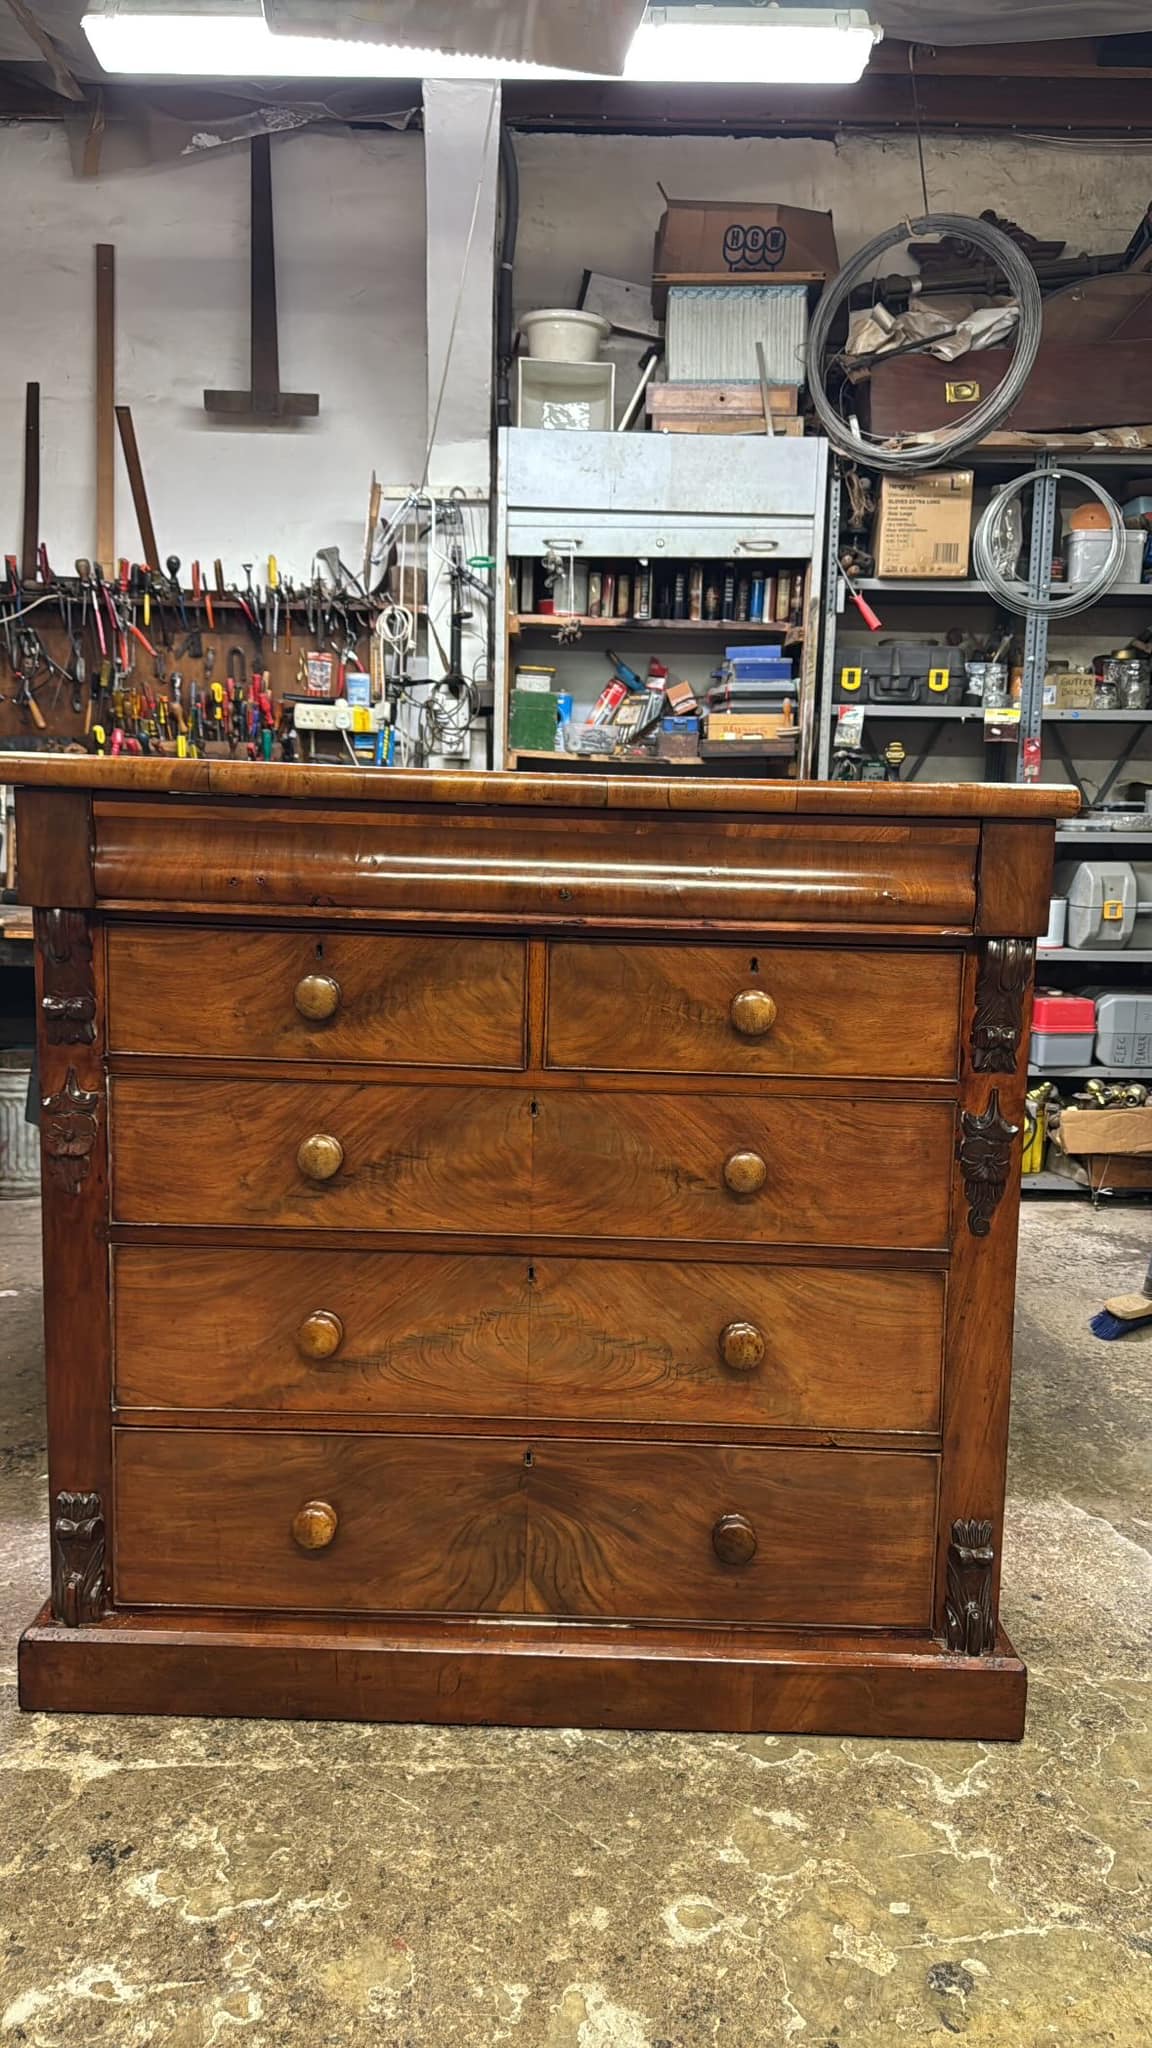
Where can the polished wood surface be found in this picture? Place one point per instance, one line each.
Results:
(686, 1008)
(561, 1164)
(413, 1158)
(525, 864)
(589, 1206)
(649, 1165)
(432, 1333)
(535, 1674)
(406, 1001)
(310, 785)
(498, 1525)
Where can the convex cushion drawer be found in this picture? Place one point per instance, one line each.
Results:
(441, 1334)
(290, 995)
(359, 1523)
(740, 1010)
(783, 1168)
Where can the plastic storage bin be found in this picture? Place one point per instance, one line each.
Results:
(1124, 1028)
(1063, 1031)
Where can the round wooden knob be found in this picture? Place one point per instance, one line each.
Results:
(314, 1525)
(317, 996)
(753, 1012)
(745, 1173)
(320, 1156)
(742, 1347)
(320, 1335)
(734, 1540)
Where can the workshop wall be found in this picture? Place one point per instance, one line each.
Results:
(350, 261)
(593, 202)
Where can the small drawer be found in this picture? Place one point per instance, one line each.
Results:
(742, 1010)
(464, 1334)
(268, 1520)
(293, 995)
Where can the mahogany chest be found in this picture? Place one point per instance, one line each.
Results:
(529, 1250)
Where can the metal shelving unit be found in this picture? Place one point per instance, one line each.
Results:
(657, 498)
(1034, 719)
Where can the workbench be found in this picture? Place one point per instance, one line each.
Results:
(527, 1250)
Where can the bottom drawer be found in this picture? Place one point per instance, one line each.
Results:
(501, 1525)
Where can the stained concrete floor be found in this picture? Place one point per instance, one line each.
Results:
(185, 1884)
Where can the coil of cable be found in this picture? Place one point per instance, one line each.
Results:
(901, 456)
(1078, 597)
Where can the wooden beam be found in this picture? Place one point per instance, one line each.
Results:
(106, 406)
(62, 78)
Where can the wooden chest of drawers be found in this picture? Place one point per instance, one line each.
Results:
(528, 1250)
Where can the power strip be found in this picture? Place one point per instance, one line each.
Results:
(339, 717)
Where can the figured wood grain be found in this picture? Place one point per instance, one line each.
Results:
(535, 1674)
(645, 1165)
(445, 1334)
(312, 784)
(525, 863)
(421, 1525)
(505, 1525)
(406, 1001)
(414, 1158)
(627, 1530)
(651, 1008)
(54, 848)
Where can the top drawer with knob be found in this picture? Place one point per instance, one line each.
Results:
(290, 995)
(739, 1010)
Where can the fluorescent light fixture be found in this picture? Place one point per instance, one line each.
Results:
(231, 39)
(752, 45)
(692, 44)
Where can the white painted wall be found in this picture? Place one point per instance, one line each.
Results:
(350, 261)
(593, 202)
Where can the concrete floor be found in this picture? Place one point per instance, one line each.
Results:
(187, 1884)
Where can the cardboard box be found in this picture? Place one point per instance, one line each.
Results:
(1124, 1132)
(924, 525)
(749, 725)
(1070, 690)
(713, 241)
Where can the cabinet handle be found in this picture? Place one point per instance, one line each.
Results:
(314, 1525)
(753, 1012)
(317, 996)
(320, 1156)
(742, 1347)
(320, 1335)
(734, 1540)
(745, 1173)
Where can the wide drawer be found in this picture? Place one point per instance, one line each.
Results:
(561, 1163)
(734, 1010)
(560, 867)
(513, 1525)
(439, 1334)
(290, 995)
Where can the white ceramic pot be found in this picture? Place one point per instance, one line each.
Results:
(556, 334)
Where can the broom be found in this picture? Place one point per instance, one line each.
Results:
(1123, 1313)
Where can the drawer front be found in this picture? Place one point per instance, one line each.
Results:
(455, 1159)
(627, 864)
(832, 1172)
(732, 1010)
(562, 1163)
(295, 995)
(355, 1523)
(428, 1333)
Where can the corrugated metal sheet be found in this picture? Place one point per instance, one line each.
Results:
(713, 330)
